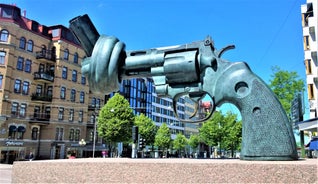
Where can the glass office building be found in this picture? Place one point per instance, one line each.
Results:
(142, 98)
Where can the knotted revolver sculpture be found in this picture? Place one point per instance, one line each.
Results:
(195, 69)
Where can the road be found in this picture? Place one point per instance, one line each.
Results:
(5, 173)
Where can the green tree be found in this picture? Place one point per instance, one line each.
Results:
(211, 132)
(233, 133)
(194, 141)
(163, 138)
(179, 143)
(285, 85)
(115, 121)
(147, 128)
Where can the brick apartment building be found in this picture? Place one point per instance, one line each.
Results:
(45, 104)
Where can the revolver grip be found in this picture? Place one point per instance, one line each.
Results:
(266, 134)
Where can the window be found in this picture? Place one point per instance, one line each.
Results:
(43, 50)
(21, 130)
(41, 68)
(76, 58)
(56, 32)
(2, 57)
(80, 116)
(306, 43)
(71, 137)
(59, 134)
(47, 113)
(4, 35)
(25, 88)
(92, 119)
(308, 66)
(1, 78)
(7, 12)
(97, 103)
(30, 46)
(22, 112)
(74, 76)
(35, 133)
(93, 102)
(36, 113)
(27, 67)
(311, 95)
(14, 109)
(22, 43)
(50, 91)
(63, 93)
(71, 115)
(17, 86)
(66, 54)
(20, 63)
(12, 130)
(38, 90)
(61, 113)
(83, 80)
(64, 72)
(82, 97)
(77, 135)
(73, 95)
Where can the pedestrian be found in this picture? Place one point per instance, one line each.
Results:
(72, 156)
(31, 156)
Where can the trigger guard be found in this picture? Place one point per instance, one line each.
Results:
(175, 100)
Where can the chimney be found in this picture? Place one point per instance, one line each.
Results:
(24, 13)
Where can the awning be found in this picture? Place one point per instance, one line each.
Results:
(313, 145)
(308, 125)
(12, 128)
(21, 129)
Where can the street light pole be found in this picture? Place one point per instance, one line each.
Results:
(82, 143)
(94, 138)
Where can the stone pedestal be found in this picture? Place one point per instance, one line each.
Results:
(125, 170)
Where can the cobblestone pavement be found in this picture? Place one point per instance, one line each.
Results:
(5, 173)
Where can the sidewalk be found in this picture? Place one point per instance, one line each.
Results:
(5, 173)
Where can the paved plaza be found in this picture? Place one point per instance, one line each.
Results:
(5, 173)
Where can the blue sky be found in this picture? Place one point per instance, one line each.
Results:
(266, 33)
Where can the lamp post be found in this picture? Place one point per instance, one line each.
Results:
(94, 138)
(82, 143)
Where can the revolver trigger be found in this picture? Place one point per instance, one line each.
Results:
(195, 110)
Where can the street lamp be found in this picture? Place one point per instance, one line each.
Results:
(82, 143)
(94, 138)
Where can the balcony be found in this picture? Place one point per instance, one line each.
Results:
(41, 97)
(44, 76)
(41, 119)
(46, 54)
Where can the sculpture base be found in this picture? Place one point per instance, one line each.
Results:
(125, 170)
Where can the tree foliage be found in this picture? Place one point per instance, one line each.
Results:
(285, 85)
(115, 120)
(180, 142)
(233, 130)
(194, 141)
(211, 131)
(222, 130)
(146, 128)
(163, 137)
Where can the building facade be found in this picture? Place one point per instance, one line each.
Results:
(309, 24)
(44, 99)
(309, 16)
